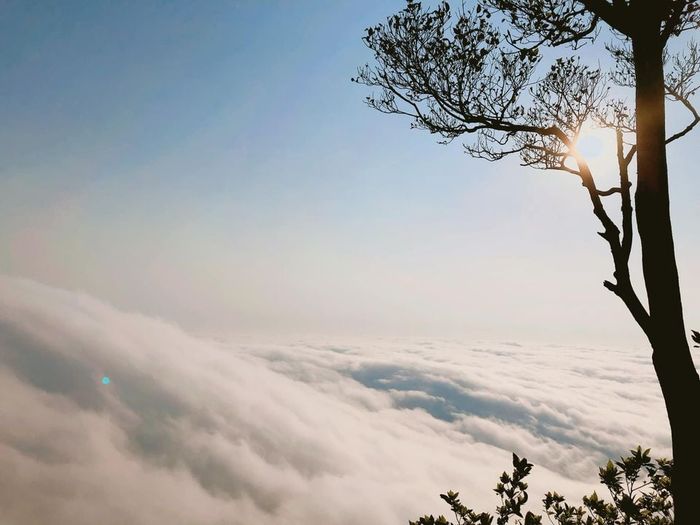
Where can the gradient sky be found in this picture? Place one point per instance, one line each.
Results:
(210, 163)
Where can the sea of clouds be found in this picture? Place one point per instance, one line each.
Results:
(197, 431)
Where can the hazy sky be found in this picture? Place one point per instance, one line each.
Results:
(211, 163)
(210, 166)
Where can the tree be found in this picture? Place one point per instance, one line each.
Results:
(480, 72)
(638, 486)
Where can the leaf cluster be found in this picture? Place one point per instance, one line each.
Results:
(640, 490)
(477, 71)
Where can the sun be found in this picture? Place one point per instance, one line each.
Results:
(592, 142)
(597, 148)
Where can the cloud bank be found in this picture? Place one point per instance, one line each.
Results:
(198, 431)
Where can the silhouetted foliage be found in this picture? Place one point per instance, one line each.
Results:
(479, 71)
(639, 489)
(696, 338)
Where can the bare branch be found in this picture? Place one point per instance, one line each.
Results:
(623, 162)
(680, 84)
(620, 250)
(611, 191)
(689, 127)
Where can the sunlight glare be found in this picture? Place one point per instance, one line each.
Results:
(591, 142)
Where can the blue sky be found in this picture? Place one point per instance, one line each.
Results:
(211, 163)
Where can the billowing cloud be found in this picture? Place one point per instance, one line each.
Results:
(191, 430)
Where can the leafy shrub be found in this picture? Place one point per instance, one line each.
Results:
(639, 487)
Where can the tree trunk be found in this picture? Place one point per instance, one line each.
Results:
(671, 354)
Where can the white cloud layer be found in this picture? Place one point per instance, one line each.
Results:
(195, 431)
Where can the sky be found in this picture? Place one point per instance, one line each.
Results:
(211, 164)
(231, 293)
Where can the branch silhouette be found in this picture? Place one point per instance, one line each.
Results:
(480, 73)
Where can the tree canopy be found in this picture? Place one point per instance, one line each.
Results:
(506, 75)
(478, 72)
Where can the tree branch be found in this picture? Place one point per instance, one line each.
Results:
(620, 250)
(611, 191)
(673, 19)
(456, 77)
(614, 15)
(696, 117)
